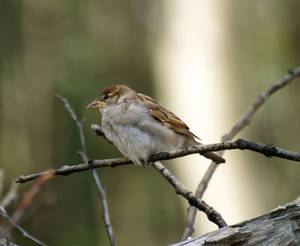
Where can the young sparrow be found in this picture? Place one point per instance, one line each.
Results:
(140, 127)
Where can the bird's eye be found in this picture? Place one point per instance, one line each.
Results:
(106, 97)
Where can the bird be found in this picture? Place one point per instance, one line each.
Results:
(140, 127)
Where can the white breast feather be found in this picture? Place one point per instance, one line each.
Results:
(136, 134)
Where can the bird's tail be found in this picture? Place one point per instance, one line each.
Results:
(216, 158)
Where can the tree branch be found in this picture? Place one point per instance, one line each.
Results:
(19, 212)
(242, 144)
(259, 101)
(240, 125)
(5, 215)
(211, 213)
(268, 150)
(10, 196)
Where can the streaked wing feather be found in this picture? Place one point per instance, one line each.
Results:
(165, 117)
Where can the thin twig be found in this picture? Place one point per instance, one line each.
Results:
(10, 196)
(105, 214)
(242, 144)
(79, 123)
(240, 125)
(211, 213)
(259, 101)
(27, 199)
(83, 154)
(5, 215)
(192, 211)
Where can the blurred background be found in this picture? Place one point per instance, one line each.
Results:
(204, 60)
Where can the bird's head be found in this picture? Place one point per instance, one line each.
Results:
(112, 95)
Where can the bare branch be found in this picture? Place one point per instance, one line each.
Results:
(105, 215)
(84, 157)
(240, 125)
(259, 101)
(27, 200)
(268, 150)
(212, 214)
(74, 117)
(10, 196)
(242, 144)
(5, 215)
(192, 211)
(66, 170)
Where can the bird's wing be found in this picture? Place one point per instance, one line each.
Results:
(165, 117)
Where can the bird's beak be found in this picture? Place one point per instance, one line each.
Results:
(95, 104)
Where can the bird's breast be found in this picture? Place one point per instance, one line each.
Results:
(136, 134)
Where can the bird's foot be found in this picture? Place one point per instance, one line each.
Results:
(159, 156)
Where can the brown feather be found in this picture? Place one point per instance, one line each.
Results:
(165, 117)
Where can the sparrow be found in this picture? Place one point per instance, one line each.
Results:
(140, 127)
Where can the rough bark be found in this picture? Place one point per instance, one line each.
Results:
(281, 227)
